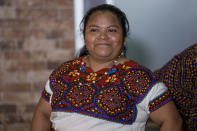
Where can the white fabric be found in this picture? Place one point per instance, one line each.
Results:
(71, 121)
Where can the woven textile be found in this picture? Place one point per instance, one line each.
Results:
(180, 74)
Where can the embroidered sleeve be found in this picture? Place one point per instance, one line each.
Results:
(47, 92)
(159, 101)
(160, 96)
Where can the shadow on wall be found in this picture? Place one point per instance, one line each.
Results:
(137, 52)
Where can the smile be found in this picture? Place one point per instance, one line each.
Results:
(104, 44)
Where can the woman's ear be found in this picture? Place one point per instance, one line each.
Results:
(124, 41)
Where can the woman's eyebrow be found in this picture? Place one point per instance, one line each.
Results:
(116, 26)
(93, 25)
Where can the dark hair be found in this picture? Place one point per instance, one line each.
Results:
(104, 7)
(107, 7)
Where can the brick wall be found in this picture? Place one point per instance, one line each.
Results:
(35, 36)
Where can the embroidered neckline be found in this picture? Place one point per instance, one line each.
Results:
(98, 75)
(109, 70)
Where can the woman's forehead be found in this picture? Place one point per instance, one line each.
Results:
(103, 17)
(101, 13)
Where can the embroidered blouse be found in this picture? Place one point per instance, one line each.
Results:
(117, 98)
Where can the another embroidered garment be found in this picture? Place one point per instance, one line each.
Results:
(180, 74)
(117, 98)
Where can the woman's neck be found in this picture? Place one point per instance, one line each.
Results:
(97, 65)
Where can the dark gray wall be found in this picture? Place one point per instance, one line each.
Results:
(159, 29)
(91, 3)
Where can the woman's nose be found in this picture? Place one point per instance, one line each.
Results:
(103, 35)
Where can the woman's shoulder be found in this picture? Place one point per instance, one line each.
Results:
(138, 79)
(136, 68)
(133, 64)
(65, 66)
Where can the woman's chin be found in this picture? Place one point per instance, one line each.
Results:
(104, 55)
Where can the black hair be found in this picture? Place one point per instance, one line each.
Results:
(104, 7)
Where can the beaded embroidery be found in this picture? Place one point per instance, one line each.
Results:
(45, 95)
(180, 76)
(111, 94)
(158, 102)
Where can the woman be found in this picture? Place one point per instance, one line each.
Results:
(102, 89)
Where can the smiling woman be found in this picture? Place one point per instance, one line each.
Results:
(102, 89)
(103, 37)
(80, 7)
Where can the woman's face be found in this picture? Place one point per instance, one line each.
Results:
(103, 35)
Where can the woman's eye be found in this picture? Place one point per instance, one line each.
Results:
(112, 30)
(93, 30)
